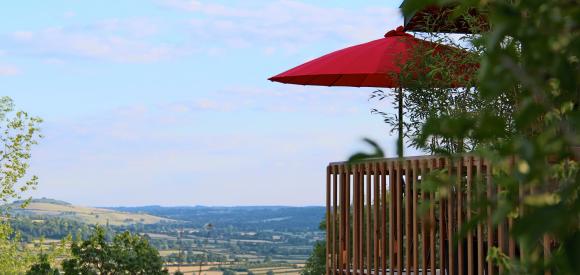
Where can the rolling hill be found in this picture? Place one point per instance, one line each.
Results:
(89, 215)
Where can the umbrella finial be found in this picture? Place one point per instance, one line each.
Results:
(399, 31)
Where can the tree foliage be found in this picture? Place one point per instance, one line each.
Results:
(43, 267)
(439, 79)
(316, 263)
(530, 60)
(521, 114)
(14, 258)
(126, 254)
(18, 133)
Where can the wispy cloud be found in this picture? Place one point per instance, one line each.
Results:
(8, 70)
(127, 40)
(279, 99)
(283, 25)
(133, 150)
(270, 27)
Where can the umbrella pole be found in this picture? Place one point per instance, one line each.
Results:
(400, 139)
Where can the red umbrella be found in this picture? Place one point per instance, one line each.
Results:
(375, 64)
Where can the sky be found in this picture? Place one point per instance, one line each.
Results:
(167, 102)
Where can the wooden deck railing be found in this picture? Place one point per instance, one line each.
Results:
(378, 221)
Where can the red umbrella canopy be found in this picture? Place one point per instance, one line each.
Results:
(376, 63)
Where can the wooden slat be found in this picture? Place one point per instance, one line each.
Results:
(334, 219)
(442, 206)
(501, 239)
(522, 193)
(547, 252)
(345, 230)
(347, 210)
(356, 213)
(490, 229)
(415, 239)
(511, 241)
(384, 229)
(369, 228)
(479, 189)
(376, 220)
(459, 206)
(329, 223)
(341, 226)
(424, 233)
(469, 202)
(361, 232)
(392, 216)
(398, 225)
(450, 225)
(433, 227)
(408, 197)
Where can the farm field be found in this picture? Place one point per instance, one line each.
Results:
(88, 215)
(256, 239)
(209, 269)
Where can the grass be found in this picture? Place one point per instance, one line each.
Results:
(89, 215)
(205, 269)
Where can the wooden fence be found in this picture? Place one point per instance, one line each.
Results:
(380, 222)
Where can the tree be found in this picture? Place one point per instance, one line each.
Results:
(529, 61)
(18, 133)
(448, 89)
(13, 260)
(229, 272)
(127, 253)
(530, 54)
(316, 263)
(42, 267)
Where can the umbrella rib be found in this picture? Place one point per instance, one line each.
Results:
(336, 80)
(366, 75)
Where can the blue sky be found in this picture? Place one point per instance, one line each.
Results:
(166, 101)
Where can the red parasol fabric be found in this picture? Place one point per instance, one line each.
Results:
(379, 64)
(373, 64)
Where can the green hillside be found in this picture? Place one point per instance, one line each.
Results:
(90, 215)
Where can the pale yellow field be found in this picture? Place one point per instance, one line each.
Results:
(195, 268)
(168, 252)
(190, 269)
(161, 236)
(90, 215)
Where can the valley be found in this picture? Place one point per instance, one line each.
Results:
(256, 238)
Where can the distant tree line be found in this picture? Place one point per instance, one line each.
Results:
(32, 228)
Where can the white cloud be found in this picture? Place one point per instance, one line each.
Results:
(284, 25)
(277, 98)
(8, 70)
(280, 26)
(130, 40)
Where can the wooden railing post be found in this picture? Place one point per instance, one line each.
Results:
(389, 233)
(328, 223)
